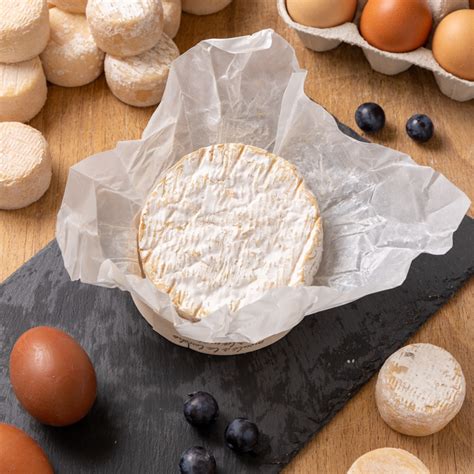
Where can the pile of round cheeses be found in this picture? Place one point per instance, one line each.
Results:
(70, 42)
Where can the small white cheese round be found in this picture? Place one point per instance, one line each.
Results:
(420, 389)
(25, 165)
(140, 80)
(72, 6)
(388, 461)
(23, 90)
(24, 29)
(172, 17)
(125, 27)
(226, 224)
(72, 58)
(204, 7)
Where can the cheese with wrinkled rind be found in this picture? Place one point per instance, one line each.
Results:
(125, 27)
(71, 59)
(25, 165)
(24, 29)
(420, 389)
(226, 224)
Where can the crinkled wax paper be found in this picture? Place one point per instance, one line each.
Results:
(380, 209)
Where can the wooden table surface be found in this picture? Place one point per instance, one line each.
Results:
(83, 121)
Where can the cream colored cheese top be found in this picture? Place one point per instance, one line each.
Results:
(22, 150)
(224, 225)
(420, 388)
(16, 15)
(388, 461)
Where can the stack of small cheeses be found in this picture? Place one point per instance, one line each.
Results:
(25, 161)
(24, 34)
(67, 42)
(136, 38)
(69, 45)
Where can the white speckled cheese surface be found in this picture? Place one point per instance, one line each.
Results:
(141, 80)
(420, 389)
(125, 27)
(24, 29)
(25, 165)
(224, 225)
(72, 58)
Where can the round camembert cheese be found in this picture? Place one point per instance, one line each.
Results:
(388, 461)
(24, 29)
(141, 80)
(23, 90)
(226, 224)
(25, 165)
(420, 389)
(125, 27)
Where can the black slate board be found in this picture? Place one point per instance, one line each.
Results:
(291, 389)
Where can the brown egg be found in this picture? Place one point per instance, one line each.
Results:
(453, 44)
(52, 376)
(321, 13)
(397, 26)
(21, 454)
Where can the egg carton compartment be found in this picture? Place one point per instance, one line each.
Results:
(325, 39)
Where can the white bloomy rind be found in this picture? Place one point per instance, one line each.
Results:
(226, 224)
(125, 27)
(71, 59)
(141, 80)
(25, 165)
(420, 389)
(24, 29)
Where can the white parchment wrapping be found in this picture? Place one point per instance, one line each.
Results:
(380, 209)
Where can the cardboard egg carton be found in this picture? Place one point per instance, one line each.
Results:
(325, 39)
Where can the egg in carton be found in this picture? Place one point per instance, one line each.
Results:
(325, 39)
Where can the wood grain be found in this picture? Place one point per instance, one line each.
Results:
(83, 121)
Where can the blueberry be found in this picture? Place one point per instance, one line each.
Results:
(201, 409)
(197, 460)
(420, 127)
(241, 435)
(370, 117)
